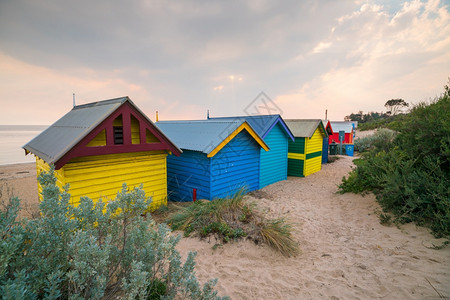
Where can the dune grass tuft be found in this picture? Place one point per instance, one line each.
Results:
(233, 218)
(277, 234)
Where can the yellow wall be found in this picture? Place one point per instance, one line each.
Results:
(135, 137)
(314, 144)
(41, 166)
(103, 176)
(313, 165)
(98, 140)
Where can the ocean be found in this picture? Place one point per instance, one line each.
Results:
(12, 138)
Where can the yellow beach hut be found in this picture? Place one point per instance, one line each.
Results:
(98, 146)
(305, 153)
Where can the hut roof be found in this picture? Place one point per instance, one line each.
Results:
(261, 124)
(207, 136)
(58, 139)
(304, 127)
(328, 127)
(342, 126)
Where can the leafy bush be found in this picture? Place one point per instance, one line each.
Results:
(390, 122)
(381, 140)
(410, 174)
(231, 219)
(95, 250)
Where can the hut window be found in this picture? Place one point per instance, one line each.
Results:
(118, 135)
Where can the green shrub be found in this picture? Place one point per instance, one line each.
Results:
(95, 250)
(381, 140)
(410, 174)
(390, 122)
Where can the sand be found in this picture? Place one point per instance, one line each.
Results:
(20, 180)
(346, 252)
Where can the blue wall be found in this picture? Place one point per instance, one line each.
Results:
(185, 172)
(274, 162)
(236, 165)
(325, 151)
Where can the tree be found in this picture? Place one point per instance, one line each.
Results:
(394, 106)
(447, 88)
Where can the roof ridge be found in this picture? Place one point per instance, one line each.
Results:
(197, 121)
(102, 102)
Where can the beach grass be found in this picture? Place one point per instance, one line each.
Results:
(231, 219)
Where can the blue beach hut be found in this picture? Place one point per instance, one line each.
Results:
(275, 133)
(219, 158)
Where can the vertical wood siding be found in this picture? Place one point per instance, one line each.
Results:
(274, 162)
(102, 176)
(188, 171)
(235, 166)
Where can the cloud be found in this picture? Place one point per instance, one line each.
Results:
(379, 56)
(176, 57)
(52, 91)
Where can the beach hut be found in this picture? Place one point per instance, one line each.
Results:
(275, 133)
(218, 159)
(329, 131)
(98, 146)
(305, 153)
(337, 126)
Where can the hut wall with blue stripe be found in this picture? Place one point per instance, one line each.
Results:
(274, 162)
(235, 166)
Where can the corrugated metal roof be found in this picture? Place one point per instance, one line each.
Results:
(261, 124)
(65, 133)
(303, 127)
(341, 126)
(203, 135)
(54, 142)
(328, 123)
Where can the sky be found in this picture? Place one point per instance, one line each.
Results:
(182, 58)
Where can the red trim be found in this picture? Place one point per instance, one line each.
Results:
(328, 126)
(126, 110)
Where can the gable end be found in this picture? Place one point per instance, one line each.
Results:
(126, 130)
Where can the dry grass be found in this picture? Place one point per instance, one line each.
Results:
(231, 219)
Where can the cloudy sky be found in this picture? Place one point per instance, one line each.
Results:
(184, 57)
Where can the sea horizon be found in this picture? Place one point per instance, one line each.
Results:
(13, 138)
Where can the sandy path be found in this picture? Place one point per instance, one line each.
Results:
(346, 253)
